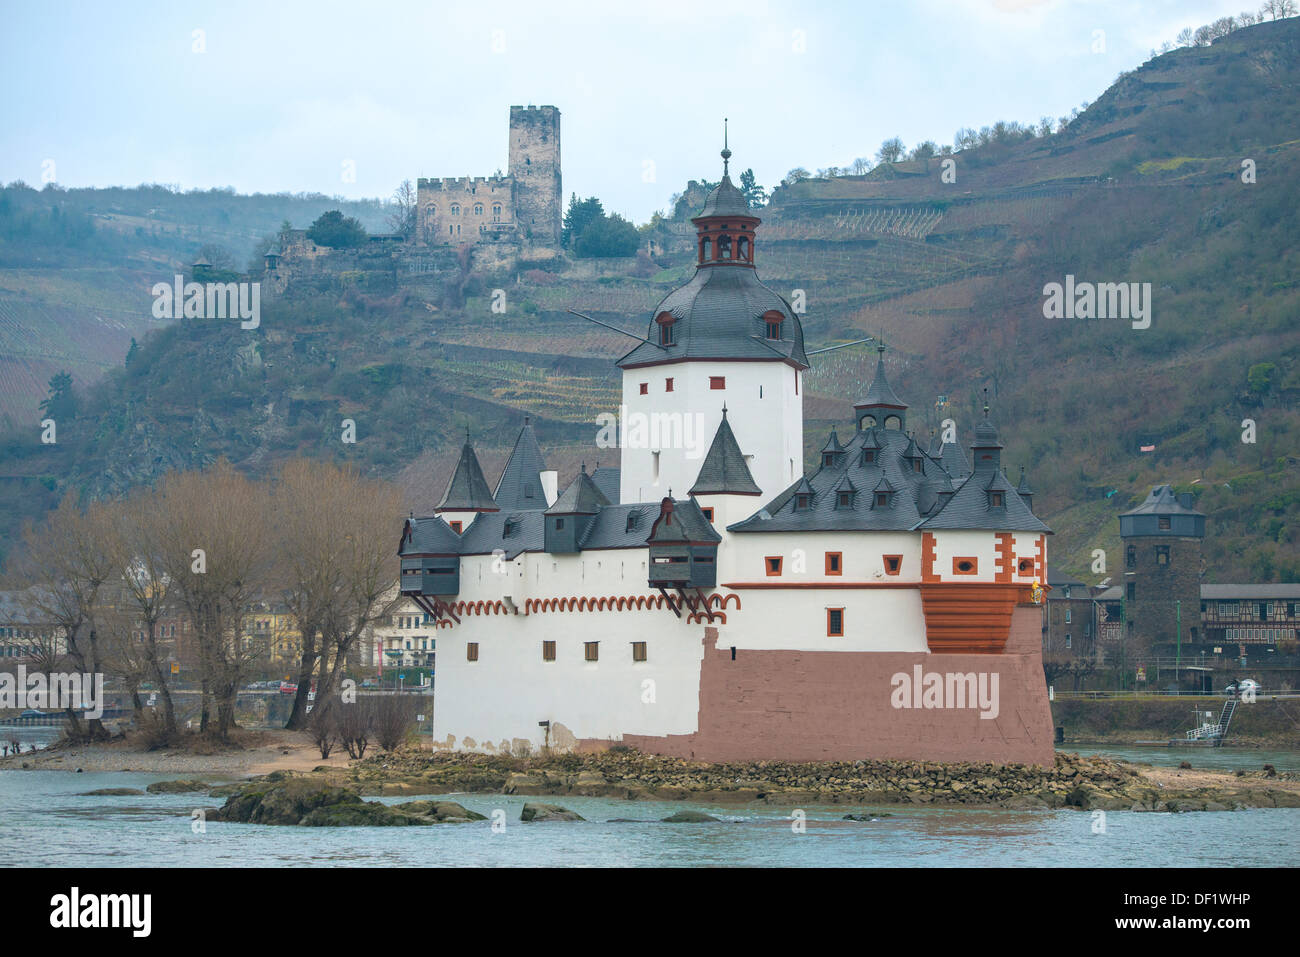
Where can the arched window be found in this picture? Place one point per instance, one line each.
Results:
(705, 249)
(743, 250)
(724, 247)
(455, 209)
(667, 334)
(867, 422)
(496, 213)
(893, 422)
(478, 209)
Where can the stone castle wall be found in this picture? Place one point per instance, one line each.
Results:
(465, 210)
(535, 169)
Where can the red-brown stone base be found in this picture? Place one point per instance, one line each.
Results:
(840, 706)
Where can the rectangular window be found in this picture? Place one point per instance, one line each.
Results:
(645, 388)
(773, 565)
(833, 560)
(456, 526)
(471, 651)
(1067, 616)
(835, 622)
(591, 650)
(1263, 611)
(668, 385)
(1162, 554)
(638, 651)
(548, 651)
(1068, 641)
(559, 524)
(1164, 523)
(708, 512)
(717, 382)
(893, 563)
(966, 566)
(1132, 591)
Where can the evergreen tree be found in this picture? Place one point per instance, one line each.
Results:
(578, 217)
(61, 404)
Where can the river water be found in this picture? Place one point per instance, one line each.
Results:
(44, 821)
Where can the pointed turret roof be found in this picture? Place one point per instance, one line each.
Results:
(724, 471)
(468, 489)
(1024, 488)
(880, 393)
(833, 444)
(520, 486)
(582, 497)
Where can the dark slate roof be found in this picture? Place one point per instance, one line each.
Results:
(1262, 592)
(430, 536)
(487, 533)
(520, 485)
(726, 200)
(582, 497)
(468, 489)
(719, 316)
(724, 471)
(688, 524)
(1162, 500)
(953, 459)
(607, 480)
(880, 392)
(609, 529)
(890, 472)
(969, 507)
(1024, 488)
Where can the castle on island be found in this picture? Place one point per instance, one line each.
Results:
(734, 606)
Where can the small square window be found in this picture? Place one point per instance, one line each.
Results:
(1164, 523)
(717, 382)
(645, 388)
(638, 651)
(834, 562)
(893, 564)
(773, 565)
(559, 524)
(835, 622)
(548, 651)
(591, 650)
(471, 650)
(708, 512)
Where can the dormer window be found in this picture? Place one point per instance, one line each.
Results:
(828, 460)
(868, 456)
(508, 528)
(844, 500)
(667, 336)
(996, 500)
(631, 521)
(882, 500)
(917, 466)
(772, 323)
(802, 502)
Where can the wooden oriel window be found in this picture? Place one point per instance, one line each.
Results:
(548, 651)
(471, 651)
(893, 564)
(717, 382)
(638, 651)
(773, 565)
(591, 650)
(834, 563)
(834, 622)
(965, 566)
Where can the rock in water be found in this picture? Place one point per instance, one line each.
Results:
(690, 817)
(534, 813)
(111, 792)
(177, 787)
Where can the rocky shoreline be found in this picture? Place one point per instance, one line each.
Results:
(1083, 783)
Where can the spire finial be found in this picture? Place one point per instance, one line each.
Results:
(726, 150)
(467, 435)
(986, 402)
(584, 466)
(724, 409)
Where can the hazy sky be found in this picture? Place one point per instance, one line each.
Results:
(283, 93)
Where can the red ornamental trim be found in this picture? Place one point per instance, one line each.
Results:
(613, 603)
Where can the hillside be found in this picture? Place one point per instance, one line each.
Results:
(1145, 187)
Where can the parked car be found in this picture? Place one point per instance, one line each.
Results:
(288, 687)
(32, 713)
(1242, 686)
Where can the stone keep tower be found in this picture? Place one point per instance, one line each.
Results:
(1162, 570)
(535, 169)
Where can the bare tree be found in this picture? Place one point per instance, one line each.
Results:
(403, 217)
(891, 150)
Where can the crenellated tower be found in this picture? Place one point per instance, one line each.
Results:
(535, 169)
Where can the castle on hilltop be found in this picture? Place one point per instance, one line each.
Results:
(524, 206)
(728, 605)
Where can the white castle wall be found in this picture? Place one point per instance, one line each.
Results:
(764, 406)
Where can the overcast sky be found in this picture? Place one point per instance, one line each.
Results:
(283, 93)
